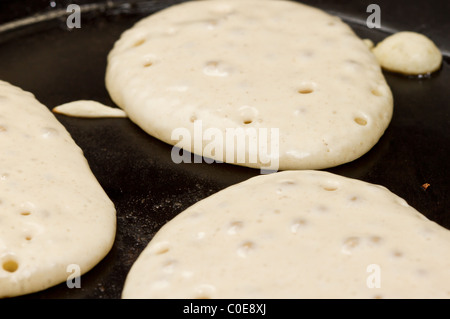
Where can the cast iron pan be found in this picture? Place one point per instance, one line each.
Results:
(61, 65)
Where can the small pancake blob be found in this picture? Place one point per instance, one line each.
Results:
(409, 53)
(88, 109)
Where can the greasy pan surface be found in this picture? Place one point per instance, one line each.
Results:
(60, 65)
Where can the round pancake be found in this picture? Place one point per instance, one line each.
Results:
(296, 234)
(55, 219)
(255, 65)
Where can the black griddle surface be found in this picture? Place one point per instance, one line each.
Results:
(59, 65)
